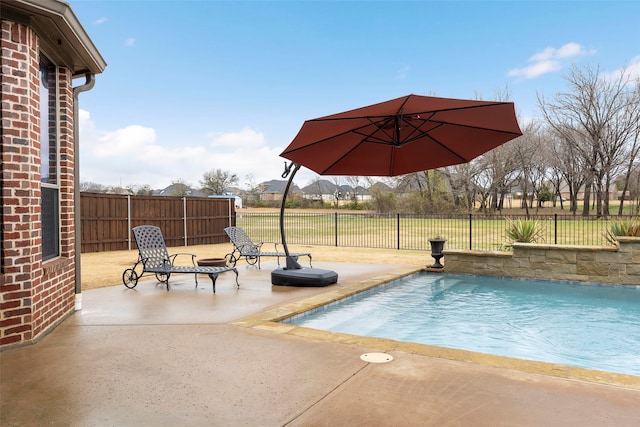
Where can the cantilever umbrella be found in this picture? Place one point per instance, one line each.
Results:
(404, 135)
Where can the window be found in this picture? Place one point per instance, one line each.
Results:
(50, 206)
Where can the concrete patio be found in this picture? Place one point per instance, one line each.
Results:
(191, 358)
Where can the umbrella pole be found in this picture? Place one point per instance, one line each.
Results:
(291, 264)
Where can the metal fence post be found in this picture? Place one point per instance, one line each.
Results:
(470, 232)
(555, 229)
(398, 228)
(336, 226)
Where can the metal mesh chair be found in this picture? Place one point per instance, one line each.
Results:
(244, 247)
(153, 257)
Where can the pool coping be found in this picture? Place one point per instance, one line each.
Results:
(269, 320)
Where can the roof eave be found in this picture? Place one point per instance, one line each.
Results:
(63, 38)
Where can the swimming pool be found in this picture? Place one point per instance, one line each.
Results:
(589, 326)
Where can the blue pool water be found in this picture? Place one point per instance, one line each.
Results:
(590, 326)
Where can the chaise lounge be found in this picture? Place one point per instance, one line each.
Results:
(154, 258)
(244, 247)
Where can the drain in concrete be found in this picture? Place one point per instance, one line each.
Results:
(376, 357)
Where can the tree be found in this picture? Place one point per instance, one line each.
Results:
(569, 166)
(533, 156)
(93, 187)
(383, 200)
(140, 190)
(179, 188)
(316, 185)
(354, 182)
(597, 116)
(426, 192)
(494, 171)
(461, 182)
(217, 181)
(253, 190)
(632, 152)
(337, 192)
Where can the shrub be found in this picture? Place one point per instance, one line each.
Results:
(525, 230)
(624, 227)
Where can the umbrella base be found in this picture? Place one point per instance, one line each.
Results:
(305, 277)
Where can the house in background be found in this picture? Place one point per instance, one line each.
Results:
(44, 48)
(328, 192)
(271, 191)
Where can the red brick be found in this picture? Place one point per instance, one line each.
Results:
(10, 322)
(10, 340)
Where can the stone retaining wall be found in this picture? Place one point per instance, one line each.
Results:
(592, 264)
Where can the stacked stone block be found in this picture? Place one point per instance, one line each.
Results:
(619, 265)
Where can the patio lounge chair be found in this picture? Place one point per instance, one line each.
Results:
(154, 258)
(244, 247)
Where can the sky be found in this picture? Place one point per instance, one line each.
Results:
(194, 86)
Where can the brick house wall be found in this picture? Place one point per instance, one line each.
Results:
(34, 295)
(37, 295)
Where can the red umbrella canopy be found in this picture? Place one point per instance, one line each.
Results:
(404, 135)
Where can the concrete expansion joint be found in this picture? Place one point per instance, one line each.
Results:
(328, 394)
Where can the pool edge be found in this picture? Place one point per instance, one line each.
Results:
(269, 320)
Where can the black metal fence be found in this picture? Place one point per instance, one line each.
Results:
(412, 232)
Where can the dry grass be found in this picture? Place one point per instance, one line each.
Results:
(102, 269)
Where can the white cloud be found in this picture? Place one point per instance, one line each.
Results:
(246, 139)
(632, 70)
(550, 60)
(133, 155)
(634, 67)
(536, 69)
(130, 41)
(100, 21)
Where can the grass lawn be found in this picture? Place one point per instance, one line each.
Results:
(100, 269)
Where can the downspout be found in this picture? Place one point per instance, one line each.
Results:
(90, 81)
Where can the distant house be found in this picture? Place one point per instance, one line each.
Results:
(614, 193)
(272, 191)
(44, 48)
(179, 190)
(328, 192)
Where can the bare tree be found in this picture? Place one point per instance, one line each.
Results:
(462, 183)
(633, 150)
(93, 187)
(496, 172)
(316, 185)
(337, 192)
(524, 151)
(631, 167)
(632, 185)
(179, 188)
(569, 166)
(140, 190)
(597, 116)
(534, 155)
(217, 181)
(354, 182)
(253, 190)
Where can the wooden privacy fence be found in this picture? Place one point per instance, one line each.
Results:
(107, 220)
